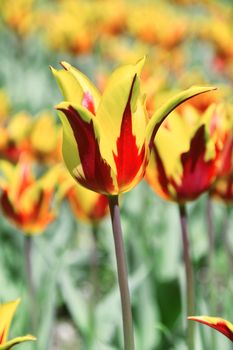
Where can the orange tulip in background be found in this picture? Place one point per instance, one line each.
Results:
(25, 200)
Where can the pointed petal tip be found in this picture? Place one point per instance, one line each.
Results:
(53, 70)
(140, 63)
(62, 105)
(65, 65)
(203, 88)
(30, 337)
(194, 318)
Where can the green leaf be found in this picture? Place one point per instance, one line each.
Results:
(75, 301)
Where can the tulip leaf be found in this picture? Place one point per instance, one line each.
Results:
(160, 115)
(75, 301)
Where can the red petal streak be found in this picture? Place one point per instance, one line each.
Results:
(2, 336)
(162, 178)
(88, 102)
(96, 171)
(198, 174)
(25, 179)
(226, 162)
(128, 158)
(7, 207)
(219, 326)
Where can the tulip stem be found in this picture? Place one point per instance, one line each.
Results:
(122, 274)
(210, 232)
(227, 244)
(188, 273)
(211, 276)
(30, 284)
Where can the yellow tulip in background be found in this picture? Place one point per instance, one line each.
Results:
(7, 312)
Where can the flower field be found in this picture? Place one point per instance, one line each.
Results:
(116, 174)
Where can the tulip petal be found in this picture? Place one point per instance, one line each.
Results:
(82, 138)
(197, 173)
(8, 345)
(84, 82)
(113, 104)
(7, 312)
(159, 116)
(217, 323)
(128, 159)
(69, 86)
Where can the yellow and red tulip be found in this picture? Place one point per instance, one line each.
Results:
(223, 186)
(185, 155)
(107, 140)
(25, 201)
(14, 137)
(221, 325)
(7, 312)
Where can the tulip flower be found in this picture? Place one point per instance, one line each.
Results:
(223, 186)
(183, 170)
(221, 325)
(19, 16)
(107, 143)
(7, 312)
(183, 164)
(14, 137)
(87, 205)
(25, 201)
(45, 139)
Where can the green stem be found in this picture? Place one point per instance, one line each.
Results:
(210, 232)
(30, 284)
(227, 244)
(211, 276)
(188, 273)
(122, 274)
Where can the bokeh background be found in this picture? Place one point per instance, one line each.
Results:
(186, 42)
